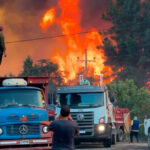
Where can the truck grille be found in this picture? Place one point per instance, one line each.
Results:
(29, 117)
(18, 129)
(85, 122)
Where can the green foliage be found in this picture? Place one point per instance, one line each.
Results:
(29, 69)
(128, 44)
(132, 97)
(43, 67)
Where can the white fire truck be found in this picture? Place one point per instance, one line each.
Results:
(147, 129)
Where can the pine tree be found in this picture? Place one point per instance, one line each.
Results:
(128, 44)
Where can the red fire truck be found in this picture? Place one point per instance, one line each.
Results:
(122, 122)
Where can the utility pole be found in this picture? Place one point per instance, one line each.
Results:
(86, 61)
(86, 68)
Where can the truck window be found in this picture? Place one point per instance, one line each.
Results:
(21, 98)
(81, 99)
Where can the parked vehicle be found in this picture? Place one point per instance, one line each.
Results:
(147, 129)
(122, 122)
(23, 112)
(93, 109)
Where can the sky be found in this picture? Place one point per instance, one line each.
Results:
(21, 20)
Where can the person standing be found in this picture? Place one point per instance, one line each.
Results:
(2, 45)
(135, 126)
(64, 129)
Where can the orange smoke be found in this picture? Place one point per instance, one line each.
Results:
(69, 65)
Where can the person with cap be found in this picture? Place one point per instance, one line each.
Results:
(135, 126)
(2, 45)
(64, 129)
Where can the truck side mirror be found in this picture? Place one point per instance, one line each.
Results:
(44, 103)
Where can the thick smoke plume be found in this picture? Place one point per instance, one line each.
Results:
(91, 13)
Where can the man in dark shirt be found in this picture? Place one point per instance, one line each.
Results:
(64, 129)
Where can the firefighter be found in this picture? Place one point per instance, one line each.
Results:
(2, 45)
(135, 126)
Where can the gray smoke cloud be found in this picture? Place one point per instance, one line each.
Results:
(91, 13)
(21, 20)
(21, 16)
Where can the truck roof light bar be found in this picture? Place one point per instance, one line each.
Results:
(14, 82)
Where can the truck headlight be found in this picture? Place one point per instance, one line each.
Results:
(101, 128)
(45, 129)
(1, 131)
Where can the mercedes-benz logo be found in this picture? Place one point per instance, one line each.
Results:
(80, 117)
(23, 129)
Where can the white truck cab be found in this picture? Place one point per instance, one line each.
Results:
(147, 129)
(92, 109)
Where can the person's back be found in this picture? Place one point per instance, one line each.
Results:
(64, 132)
(134, 129)
(135, 126)
(64, 129)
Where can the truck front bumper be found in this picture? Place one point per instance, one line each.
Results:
(41, 143)
(96, 135)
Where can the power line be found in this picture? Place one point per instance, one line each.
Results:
(72, 34)
(50, 37)
(47, 37)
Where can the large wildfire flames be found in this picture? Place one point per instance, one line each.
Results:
(73, 62)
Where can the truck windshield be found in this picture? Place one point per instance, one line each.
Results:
(81, 99)
(29, 98)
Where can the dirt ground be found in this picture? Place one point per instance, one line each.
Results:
(118, 146)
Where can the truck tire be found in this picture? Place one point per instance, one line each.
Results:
(148, 140)
(113, 139)
(120, 136)
(107, 143)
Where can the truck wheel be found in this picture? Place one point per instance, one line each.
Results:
(107, 143)
(149, 139)
(113, 139)
(120, 136)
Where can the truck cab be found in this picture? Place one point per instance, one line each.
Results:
(92, 109)
(24, 118)
(147, 129)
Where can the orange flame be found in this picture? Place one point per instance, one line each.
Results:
(48, 19)
(76, 44)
